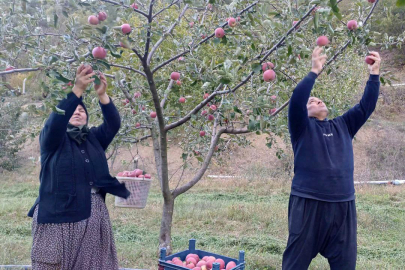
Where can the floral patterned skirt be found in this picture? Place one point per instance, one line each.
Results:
(87, 244)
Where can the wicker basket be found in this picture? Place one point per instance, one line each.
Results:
(139, 188)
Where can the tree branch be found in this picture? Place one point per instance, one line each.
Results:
(201, 42)
(147, 45)
(163, 37)
(193, 111)
(125, 6)
(163, 9)
(169, 87)
(135, 140)
(129, 68)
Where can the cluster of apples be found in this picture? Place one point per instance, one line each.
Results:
(135, 173)
(194, 262)
(96, 19)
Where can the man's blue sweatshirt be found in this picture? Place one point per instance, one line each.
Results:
(323, 150)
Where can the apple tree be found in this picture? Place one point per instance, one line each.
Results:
(205, 72)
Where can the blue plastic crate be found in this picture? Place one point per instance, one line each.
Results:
(240, 263)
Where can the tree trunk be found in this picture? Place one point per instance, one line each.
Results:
(165, 237)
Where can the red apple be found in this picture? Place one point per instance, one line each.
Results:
(352, 25)
(179, 263)
(273, 98)
(141, 176)
(133, 111)
(192, 260)
(125, 28)
(137, 95)
(99, 53)
(191, 24)
(221, 263)
(269, 75)
(138, 172)
(10, 68)
(272, 111)
(210, 117)
(204, 112)
(148, 176)
(195, 256)
(230, 265)
(197, 268)
(181, 58)
(294, 23)
(178, 82)
(126, 101)
(175, 76)
(132, 174)
(126, 173)
(93, 20)
(120, 174)
(209, 263)
(134, 6)
(102, 16)
(182, 100)
(137, 125)
(209, 7)
(190, 265)
(213, 107)
(202, 133)
(369, 60)
(201, 263)
(206, 95)
(232, 22)
(371, 1)
(238, 18)
(219, 33)
(322, 41)
(267, 65)
(153, 114)
(203, 36)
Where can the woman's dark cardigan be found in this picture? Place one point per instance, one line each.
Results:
(69, 170)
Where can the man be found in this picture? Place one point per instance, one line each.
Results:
(322, 213)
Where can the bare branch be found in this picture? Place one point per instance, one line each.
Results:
(163, 9)
(163, 37)
(19, 70)
(169, 87)
(149, 30)
(125, 6)
(129, 68)
(136, 140)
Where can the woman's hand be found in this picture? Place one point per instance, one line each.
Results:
(101, 89)
(375, 67)
(83, 78)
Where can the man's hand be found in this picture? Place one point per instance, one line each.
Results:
(375, 68)
(82, 80)
(318, 60)
(101, 89)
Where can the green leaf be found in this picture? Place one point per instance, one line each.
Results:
(236, 109)
(59, 76)
(96, 80)
(53, 59)
(200, 159)
(400, 3)
(104, 64)
(316, 21)
(289, 50)
(184, 156)
(58, 111)
(55, 20)
(65, 13)
(225, 80)
(116, 55)
(256, 67)
(269, 144)
(102, 30)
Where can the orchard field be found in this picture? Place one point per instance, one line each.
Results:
(205, 114)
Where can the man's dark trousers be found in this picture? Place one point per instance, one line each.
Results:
(328, 228)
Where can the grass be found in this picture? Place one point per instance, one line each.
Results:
(225, 216)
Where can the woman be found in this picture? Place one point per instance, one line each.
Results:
(71, 227)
